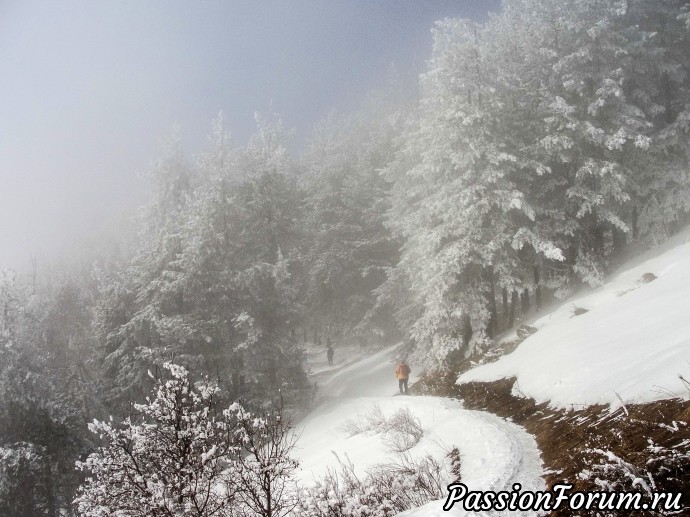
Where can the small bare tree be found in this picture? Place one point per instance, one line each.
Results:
(178, 454)
(264, 483)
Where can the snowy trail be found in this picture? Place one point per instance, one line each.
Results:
(494, 453)
(370, 377)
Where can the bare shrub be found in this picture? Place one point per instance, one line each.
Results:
(352, 427)
(373, 422)
(386, 490)
(664, 470)
(399, 441)
(455, 464)
(401, 431)
(409, 483)
(404, 431)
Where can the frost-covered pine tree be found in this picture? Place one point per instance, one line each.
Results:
(237, 265)
(592, 128)
(135, 298)
(460, 205)
(213, 285)
(546, 138)
(44, 395)
(660, 83)
(347, 249)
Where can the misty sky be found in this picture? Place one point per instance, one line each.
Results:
(88, 89)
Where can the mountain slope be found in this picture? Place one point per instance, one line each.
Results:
(629, 343)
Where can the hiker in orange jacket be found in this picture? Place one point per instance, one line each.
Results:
(402, 372)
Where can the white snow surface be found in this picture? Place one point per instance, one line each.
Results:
(494, 453)
(630, 347)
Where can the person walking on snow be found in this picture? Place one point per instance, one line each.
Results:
(402, 372)
(330, 352)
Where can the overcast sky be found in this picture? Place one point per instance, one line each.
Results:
(88, 89)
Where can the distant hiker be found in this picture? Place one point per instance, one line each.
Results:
(402, 372)
(330, 352)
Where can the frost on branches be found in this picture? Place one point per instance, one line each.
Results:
(548, 139)
(179, 454)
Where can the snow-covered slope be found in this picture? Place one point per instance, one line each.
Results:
(631, 345)
(494, 453)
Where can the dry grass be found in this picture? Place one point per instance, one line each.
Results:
(594, 448)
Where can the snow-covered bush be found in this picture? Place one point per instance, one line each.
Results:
(180, 455)
(373, 422)
(386, 490)
(404, 431)
(611, 472)
(401, 431)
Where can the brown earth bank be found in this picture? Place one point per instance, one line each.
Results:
(638, 447)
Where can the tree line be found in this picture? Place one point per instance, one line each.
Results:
(548, 139)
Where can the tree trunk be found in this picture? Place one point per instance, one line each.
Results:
(537, 288)
(50, 490)
(466, 330)
(237, 379)
(492, 304)
(513, 304)
(666, 87)
(619, 240)
(505, 306)
(180, 302)
(525, 301)
(598, 234)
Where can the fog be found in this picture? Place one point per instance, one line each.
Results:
(90, 88)
(166, 302)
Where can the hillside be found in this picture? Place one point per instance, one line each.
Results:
(598, 386)
(601, 382)
(627, 341)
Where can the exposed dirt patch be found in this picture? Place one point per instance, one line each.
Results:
(592, 448)
(524, 331)
(648, 277)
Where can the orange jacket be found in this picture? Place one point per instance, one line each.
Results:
(402, 371)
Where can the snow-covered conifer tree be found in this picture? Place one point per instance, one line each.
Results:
(347, 249)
